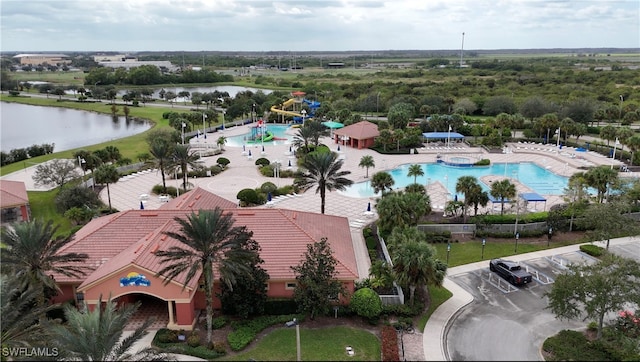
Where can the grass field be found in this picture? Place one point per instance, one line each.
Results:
(43, 208)
(66, 78)
(438, 296)
(325, 344)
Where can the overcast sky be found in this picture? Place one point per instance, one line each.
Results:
(261, 25)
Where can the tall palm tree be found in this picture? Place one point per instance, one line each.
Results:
(20, 326)
(207, 238)
(633, 143)
(416, 266)
(367, 161)
(576, 195)
(322, 169)
(415, 171)
(97, 335)
(32, 253)
(183, 158)
(317, 130)
(303, 138)
(162, 150)
(466, 185)
(503, 190)
(476, 197)
(222, 140)
(381, 181)
(107, 174)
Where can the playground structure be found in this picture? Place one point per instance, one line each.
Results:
(295, 105)
(260, 133)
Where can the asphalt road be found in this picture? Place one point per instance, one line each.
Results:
(512, 325)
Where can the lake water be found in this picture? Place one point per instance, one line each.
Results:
(22, 126)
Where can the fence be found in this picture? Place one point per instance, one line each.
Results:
(397, 298)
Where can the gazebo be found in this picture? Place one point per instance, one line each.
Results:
(358, 135)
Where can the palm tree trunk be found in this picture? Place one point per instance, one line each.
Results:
(184, 177)
(109, 196)
(322, 196)
(412, 292)
(208, 281)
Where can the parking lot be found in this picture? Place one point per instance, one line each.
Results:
(510, 323)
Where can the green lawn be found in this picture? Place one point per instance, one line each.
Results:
(326, 344)
(43, 207)
(438, 296)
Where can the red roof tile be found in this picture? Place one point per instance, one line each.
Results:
(361, 131)
(130, 237)
(197, 199)
(13, 193)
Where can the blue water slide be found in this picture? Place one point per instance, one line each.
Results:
(313, 105)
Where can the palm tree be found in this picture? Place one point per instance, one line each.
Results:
(97, 335)
(106, 174)
(415, 265)
(503, 190)
(303, 138)
(322, 169)
(601, 178)
(633, 143)
(208, 237)
(20, 325)
(162, 150)
(222, 140)
(415, 171)
(476, 197)
(381, 181)
(466, 185)
(317, 130)
(183, 158)
(366, 162)
(31, 253)
(575, 195)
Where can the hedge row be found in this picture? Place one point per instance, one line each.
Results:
(592, 250)
(389, 344)
(244, 332)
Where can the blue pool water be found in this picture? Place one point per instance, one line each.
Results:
(540, 180)
(279, 131)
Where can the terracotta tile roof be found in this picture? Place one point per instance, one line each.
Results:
(360, 131)
(13, 193)
(197, 199)
(130, 237)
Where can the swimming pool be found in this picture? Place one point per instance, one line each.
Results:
(278, 130)
(539, 179)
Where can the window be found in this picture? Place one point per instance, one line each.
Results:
(290, 285)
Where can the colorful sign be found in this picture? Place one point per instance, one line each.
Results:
(134, 279)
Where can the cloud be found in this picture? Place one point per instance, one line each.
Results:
(299, 25)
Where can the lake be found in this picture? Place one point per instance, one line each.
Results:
(23, 125)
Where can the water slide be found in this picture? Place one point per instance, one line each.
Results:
(285, 105)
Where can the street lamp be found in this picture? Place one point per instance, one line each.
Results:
(615, 147)
(549, 235)
(82, 162)
(448, 251)
(377, 102)
(304, 114)
(621, 100)
(223, 113)
(204, 129)
(484, 241)
(517, 237)
(276, 171)
(183, 126)
(253, 113)
(558, 143)
(292, 323)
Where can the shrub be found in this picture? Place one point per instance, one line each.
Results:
(483, 162)
(193, 340)
(268, 187)
(248, 197)
(366, 232)
(366, 303)
(262, 162)
(402, 310)
(159, 190)
(223, 161)
(592, 250)
(280, 306)
(372, 243)
(219, 322)
(219, 347)
(215, 169)
(245, 331)
(167, 336)
(76, 196)
(389, 344)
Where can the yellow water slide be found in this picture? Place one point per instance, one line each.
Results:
(286, 104)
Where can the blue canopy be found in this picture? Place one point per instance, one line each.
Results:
(442, 135)
(333, 125)
(532, 197)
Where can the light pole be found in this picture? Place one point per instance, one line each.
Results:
(621, 100)
(377, 103)
(304, 114)
(183, 126)
(558, 143)
(223, 113)
(615, 147)
(549, 235)
(484, 241)
(253, 113)
(82, 162)
(204, 129)
(292, 323)
(276, 172)
(517, 237)
(448, 251)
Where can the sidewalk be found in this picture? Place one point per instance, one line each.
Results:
(434, 337)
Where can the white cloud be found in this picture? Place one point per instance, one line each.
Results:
(66, 25)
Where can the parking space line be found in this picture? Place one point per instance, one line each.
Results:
(490, 277)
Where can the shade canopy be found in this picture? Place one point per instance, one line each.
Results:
(332, 124)
(532, 197)
(442, 135)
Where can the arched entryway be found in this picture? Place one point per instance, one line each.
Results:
(150, 307)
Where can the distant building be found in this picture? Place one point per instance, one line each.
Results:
(39, 59)
(110, 58)
(129, 63)
(335, 65)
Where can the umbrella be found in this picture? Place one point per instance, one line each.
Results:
(262, 148)
(289, 163)
(249, 152)
(269, 196)
(290, 149)
(243, 149)
(338, 148)
(141, 206)
(455, 198)
(369, 207)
